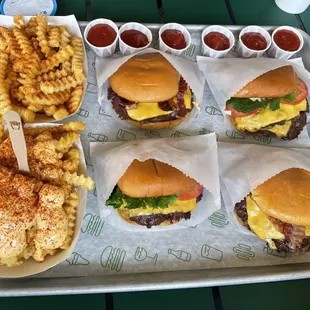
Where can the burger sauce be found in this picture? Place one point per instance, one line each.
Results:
(287, 40)
(174, 39)
(101, 35)
(216, 41)
(134, 38)
(254, 41)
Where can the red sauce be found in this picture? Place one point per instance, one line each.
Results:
(287, 40)
(254, 41)
(134, 38)
(174, 39)
(101, 35)
(217, 41)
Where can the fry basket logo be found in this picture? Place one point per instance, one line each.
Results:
(262, 139)
(234, 135)
(212, 253)
(180, 255)
(152, 134)
(178, 134)
(213, 110)
(91, 88)
(218, 219)
(274, 252)
(112, 258)
(243, 251)
(103, 112)
(205, 131)
(125, 135)
(15, 125)
(98, 137)
(92, 224)
(77, 259)
(141, 255)
(83, 113)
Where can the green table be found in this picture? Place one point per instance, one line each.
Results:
(280, 295)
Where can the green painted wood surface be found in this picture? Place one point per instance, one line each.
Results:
(65, 7)
(126, 10)
(305, 16)
(196, 11)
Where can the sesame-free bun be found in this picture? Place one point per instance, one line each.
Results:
(272, 84)
(146, 78)
(286, 197)
(152, 178)
(159, 125)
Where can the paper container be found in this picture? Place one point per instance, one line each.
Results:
(127, 49)
(32, 267)
(240, 174)
(194, 156)
(245, 52)
(208, 51)
(276, 52)
(105, 51)
(165, 48)
(73, 27)
(105, 67)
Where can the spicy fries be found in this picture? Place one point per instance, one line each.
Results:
(41, 69)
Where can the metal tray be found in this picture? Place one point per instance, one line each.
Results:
(162, 280)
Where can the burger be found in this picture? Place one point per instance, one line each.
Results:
(278, 211)
(149, 93)
(152, 193)
(274, 104)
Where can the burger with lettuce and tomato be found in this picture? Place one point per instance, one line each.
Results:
(274, 104)
(152, 193)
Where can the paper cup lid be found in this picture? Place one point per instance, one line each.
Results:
(28, 8)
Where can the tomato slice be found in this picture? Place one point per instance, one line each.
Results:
(236, 113)
(192, 194)
(301, 93)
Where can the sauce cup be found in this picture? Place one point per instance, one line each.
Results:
(245, 52)
(104, 51)
(276, 52)
(174, 26)
(207, 50)
(127, 49)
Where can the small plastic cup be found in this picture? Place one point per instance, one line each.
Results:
(127, 49)
(246, 52)
(276, 52)
(174, 26)
(208, 51)
(104, 51)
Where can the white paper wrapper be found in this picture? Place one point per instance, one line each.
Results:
(277, 52)
(189, 71)
(210, 52)
(105, 51)
(194, 156)
(128, 50)
(165, 48)
(251, 165)
(30, 266)
(72, 26)
(245, 52)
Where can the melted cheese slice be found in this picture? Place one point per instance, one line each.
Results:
(265, 117)
(280, 130)
(145, 110)
(177, 206)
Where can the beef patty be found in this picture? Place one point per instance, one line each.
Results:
(156, 219)
(289, 244)
(122, 105)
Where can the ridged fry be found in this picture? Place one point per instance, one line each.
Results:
(78, 180)
(78, 57)
(52, 75)
(51, 99)
(28, 116)
(65, 83)
(65, 142)
(54, 37)
(49, 110)
(64, 37)
(75, 99)
(61, 113)
(41, 32)
(19, 21)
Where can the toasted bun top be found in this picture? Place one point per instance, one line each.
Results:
(273, 84)
(286, 197)
(153, 178)
(146, 78)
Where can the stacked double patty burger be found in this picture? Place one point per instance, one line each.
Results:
(149, 93)
(152, 193)
(274, 104)
(278, 211)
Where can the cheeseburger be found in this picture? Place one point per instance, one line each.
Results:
(274, 104)
(278, 211)
(149, 93)
(152, 193)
